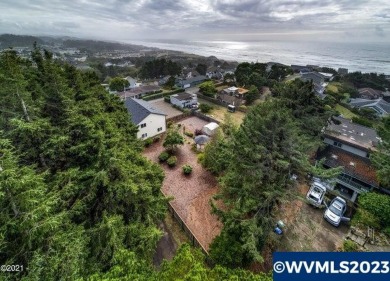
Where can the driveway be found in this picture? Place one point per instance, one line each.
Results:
(166, 108)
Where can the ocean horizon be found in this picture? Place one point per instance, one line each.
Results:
(357, 56)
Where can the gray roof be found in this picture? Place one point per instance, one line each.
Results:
(140, 109)
(201, 139)
(378, 105)
(192, 80)
(352, 133)
(314, 76)
(183, 96)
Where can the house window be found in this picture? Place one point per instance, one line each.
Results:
(144, 135)
(159, 129)
(143, 125)
(336, 143)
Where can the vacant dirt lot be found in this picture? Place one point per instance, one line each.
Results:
(192, 123)
(219, 113)
(191, 193)
(307, 230)
(166, 108)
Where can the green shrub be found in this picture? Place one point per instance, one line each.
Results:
(167, 99)
(387, 231)
(163, 156)
(169, 124)
(362, 121)
(327, 107)
(378, 205)
(189, 134)
(205, 108)
(172, 161)
(201, 158)
(148, 142)
(187, 169)
(350, 246)
(157, 138)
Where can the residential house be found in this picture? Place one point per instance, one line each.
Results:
(232, 95)
(132, 83)
(369, 93)
(139, 92)
(191, 82)
(381, 107)
(318, 81)
(184, 100)
(342, 71)
(349, 145)
(215, 72)
(149, 119)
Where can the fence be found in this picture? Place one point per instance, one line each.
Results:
(179, 117)
(194, 241)
(204, 117)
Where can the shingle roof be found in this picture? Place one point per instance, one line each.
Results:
(140, 109)
(352, 133)
(358, 167)
(369, 92)
(183, 96)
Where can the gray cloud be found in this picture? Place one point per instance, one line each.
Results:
(135, 19)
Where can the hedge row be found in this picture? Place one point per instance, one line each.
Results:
(160, 95)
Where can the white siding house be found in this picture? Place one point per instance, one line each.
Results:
(150, 121)
(184, 100)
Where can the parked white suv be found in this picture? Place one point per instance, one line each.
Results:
(316, 194)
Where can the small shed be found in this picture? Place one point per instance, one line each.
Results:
(210, 128)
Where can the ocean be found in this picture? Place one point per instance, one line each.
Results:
(364, 57)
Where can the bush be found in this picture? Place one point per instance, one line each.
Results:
(169, 124)
(157, 138)
(172, 161)
(198, 132)
(387, 231)
(205, 108)
(189, 134)
(201, 158)
(187, 169)
(148, 142)
(350, 246)
(167, 99)
(378, 205)
(362, 121)
(163, 156)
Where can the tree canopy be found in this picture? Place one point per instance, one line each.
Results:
(118, 84)
(159, 67)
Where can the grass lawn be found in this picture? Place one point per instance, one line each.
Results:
(219, 113)
(345, 112)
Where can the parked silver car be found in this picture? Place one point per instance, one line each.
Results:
(316, 194)
(334, 213)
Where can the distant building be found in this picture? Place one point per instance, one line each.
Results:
(232, 95)
(132, 82)
(191, 82)
(369, 93)
(184, 100)
(139, 92)
(149, 120)
(342, 71)
(318, 81)
(380, 106)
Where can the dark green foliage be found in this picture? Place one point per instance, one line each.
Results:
(378, 205)
(118, 84)
(148, 142)
(188, 264)
(362, 121)
(170, 83)
(171, 161)
(187, 169)
(158, 68)
(205, 108)
(173, 139)
(189, 134)
(80, 188)
(208, 89)
(201, 68)
(369, 80)
(350, 246)
(163, 156)
(279, 72)
(381, 159)
(252, 95)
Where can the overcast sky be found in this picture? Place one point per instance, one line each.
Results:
(364, 20)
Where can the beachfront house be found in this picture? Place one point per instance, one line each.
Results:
(349, 145)
(190, 82)
(149, 120)
(318, 81)
(369, 93)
